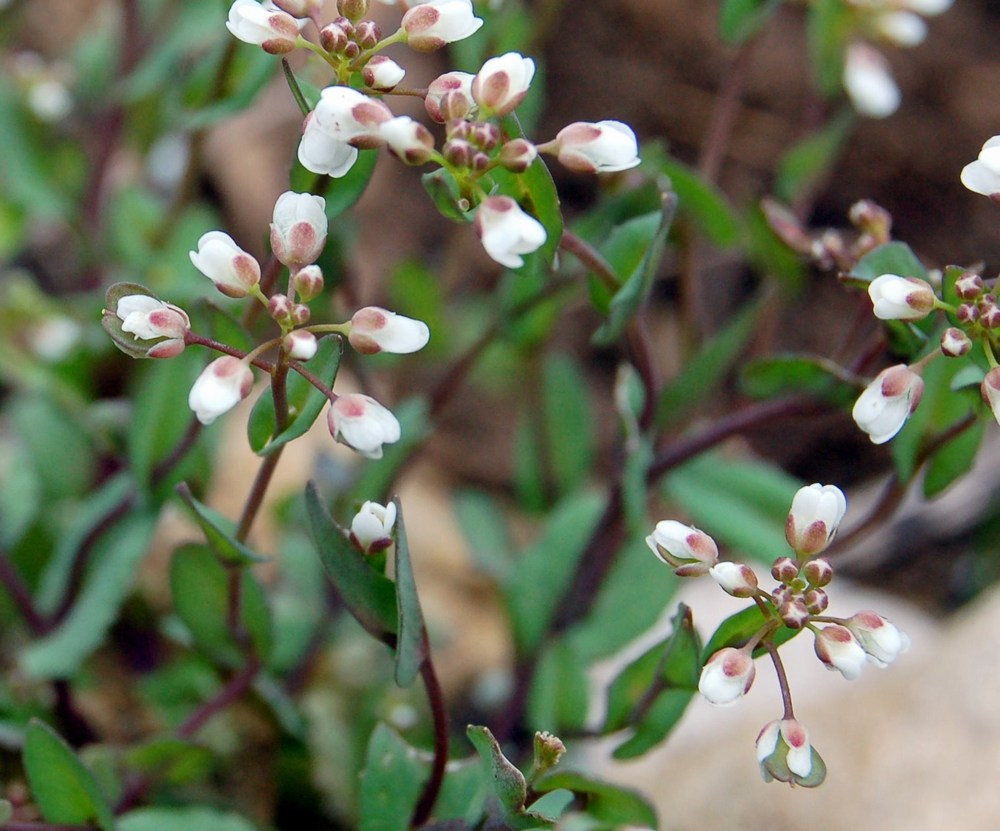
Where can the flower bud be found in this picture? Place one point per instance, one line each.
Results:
(881, 640)
(969, 286)
(300, 314)
(449, 97)
(352, 9)
(299, 8)
(967, 313)
(793, 613)
(837, 648)
(219, 258)
(901, 298)
(308, 282)
(408, 140)
(343, 120)
(784, 753)
(955, 343)
(382, 73)
(989, 313)
(300, 345)
(458, 152)
(784, 569)
(435, 23)
(816, 601)
(363, 424)
(814, 517)
(480, 161)
(220, 387)
(298, 228)
(367, 33)
(503, 82)
(604, 147)
(818, 572)
(374, 330)
(737, 579)
(275, 31)
(279, 307)
(334, 38)
(371, 528)
(485, 136)
(517, 155)
(885, 405)
(549, 750)
(147, 318)
(868, 81)
(688, 551)
(506, 231)
(871, 219)
(726, 676)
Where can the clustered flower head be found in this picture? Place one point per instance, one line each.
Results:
(798, 602)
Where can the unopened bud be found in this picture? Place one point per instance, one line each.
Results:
(279, 307)
(300, 314)
(868, 217)
(549, 750)
(784, 569)
(485, 136)
(969, 286)
(480, 161)
(352, 9)
(818, 572)
(517, 155)
(458, 152)
(737, 579)
(955, 343)
(793, 613)
(967, 313)
(816, 601)
(367, 33)
(333, 38)
(309, 283)
(989, 314)
(382, 73)
(300, 345)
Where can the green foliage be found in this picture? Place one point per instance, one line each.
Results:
(741, 19)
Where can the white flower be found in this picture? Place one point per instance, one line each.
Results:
(300, 345)
(374, 329)
(382, 72)
(784, 753)
(928, 8)
(435, 23)
(449, 96)
(814, 517)
(503, 82)
(901, 28)
(737, 579)
(148, 318)
(298, 228)
(506, 231)
(299, 8)
(371, 528)
(983, 175)
(409, 140)
(837, 648)
(344, 120)
(726, 676)
(219, 258)
(869, 83)
(604, 147)
(265, 25)
(220, 387)
(901, 298)
(885, 405)
(881, 640)
(360, 422)
(688, 551)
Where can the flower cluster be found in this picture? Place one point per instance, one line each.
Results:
(144, 326)
(867, 77)
(470, 109)
(798, 602)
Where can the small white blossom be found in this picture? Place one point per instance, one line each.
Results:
(726, 676)
(814, 517)
(838, 649)
(382, 73)
(219, 258)
(881, 641)
(506, 231)
(409, 140)
(687, 550)
(298, 228)
(148, 318)
(885, 405)
(360, 422)
(344, 120)
(300, 345)
(604, 147)
(435, 23)
(983, 175)
(374, 329)
(737, 579)
(869, 83)
(267, 26)
(220, 387)
(503, 82)
(784, 753)
(901, 298)
(449, 96)
(371, 528)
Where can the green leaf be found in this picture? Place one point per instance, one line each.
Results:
(740, 19)
(64, 790)
(546, 568)
(412, 647)
(6, 811)
(559, 695)
(804, 166)
(736, 630)
(192, 818)
(115, 558)
(507, 782)
(605, 801)
(199, 586)
(889, 258)
(625, 247)
(171, 760)
(446, 195)
(368, 595)
(391, 782)
(953, 459)
(744, 503)
(636, 287)
(697, 201)
(799, 373)
(57, 444)
(831, 25)
(219, 532)
(705, 371)
(305, 402)
(568, 421)
(482, 521)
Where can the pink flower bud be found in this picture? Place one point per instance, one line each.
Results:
(955, 343)
(517, 155)
(279, 307)
(784, 569)
(726, 676)
(737, 579)
(219, 258)
(784, 753)
(334, 37)
(503, 82)
(309, 282)
(434, 24)
(506, 231)
(688, 551)
(220, 387)
(367, 33)
(374, 329)
(363, 424)
(300, 314)
(793, 612)
(901, 298)
(816, 601)
(818, 572)
(298, 228)
(371, 528)
(408, 140)
(814, 517)
(837, 648)
(969, 286)
(881, 641)
(266, 26)
(449, 97)
(886, 404)
(382, 73)
(604, 147)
